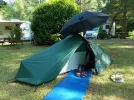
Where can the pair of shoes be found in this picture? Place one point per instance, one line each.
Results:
(83, 74)
(77, 73)
(118, 77)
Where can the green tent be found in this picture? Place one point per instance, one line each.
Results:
(63, 56)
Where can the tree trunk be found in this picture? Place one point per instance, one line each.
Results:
(113, 19)
(124, 21)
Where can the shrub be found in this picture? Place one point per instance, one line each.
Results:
(131, 35)
(2, 3)
(102, 34)
(48, 19)
(130, 24)
(16, 33)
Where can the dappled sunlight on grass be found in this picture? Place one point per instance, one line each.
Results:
(100, 88)
(125, 46)
(10, 57)
(113, 98)
(117, 91)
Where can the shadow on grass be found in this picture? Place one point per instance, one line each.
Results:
(103, 89)
(111, 91)
(10, 47)
(22, 91)
(123, 60)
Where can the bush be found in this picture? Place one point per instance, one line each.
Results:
(131, 35)
(102, 34)
(48, 19)
(130, 24)
(16, 34)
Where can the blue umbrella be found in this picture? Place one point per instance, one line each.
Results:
(83, 22)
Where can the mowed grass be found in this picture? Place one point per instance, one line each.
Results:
(10, 57)
(100, 88)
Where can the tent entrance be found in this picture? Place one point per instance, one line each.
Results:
(74, 61)
(81, 56)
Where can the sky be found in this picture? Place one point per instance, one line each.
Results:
(14, 0)
(9, 1)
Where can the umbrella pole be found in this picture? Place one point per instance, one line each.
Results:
(84, 32)
(85, 41)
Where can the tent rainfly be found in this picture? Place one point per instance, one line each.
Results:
(61, 57)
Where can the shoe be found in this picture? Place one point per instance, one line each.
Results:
(117, 77)
(83, 74)
(77, 73)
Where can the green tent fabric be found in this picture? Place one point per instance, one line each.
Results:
(46, 65)
(102, 60)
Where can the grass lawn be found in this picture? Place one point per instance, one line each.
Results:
(100, 88)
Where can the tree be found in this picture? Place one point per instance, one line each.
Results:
(27, 8)
(124, 21)
(130, 14)
(102, 34)
(120, 11)
(2, 3)
(7, 12)
(114, 16)
(91, 5)
(21, 9)
(15, 34)
(49, 17)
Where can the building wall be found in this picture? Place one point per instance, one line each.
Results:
(5, 29)
(107, 28)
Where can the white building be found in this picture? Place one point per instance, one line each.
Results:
(106, 27)
(6, 27)
(94, 32)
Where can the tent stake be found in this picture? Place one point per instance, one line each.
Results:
(10, 81)
(35, 88)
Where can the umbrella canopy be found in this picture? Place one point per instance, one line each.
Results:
(83, 22)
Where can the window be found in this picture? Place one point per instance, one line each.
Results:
(107, 26)
(8, 27)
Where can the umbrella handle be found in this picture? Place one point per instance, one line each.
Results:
(85, 41)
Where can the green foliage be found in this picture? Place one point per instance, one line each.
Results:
(100, 88)
(21, 9)
(27, 8)
(16, 34)
(111, 9)
(12, 10)
(49, 17)
(2, 3)
(91, 5)
(102, 34)
(130, 24)
(131, 35)
(50, 39)
(7, 12)
(118, 28)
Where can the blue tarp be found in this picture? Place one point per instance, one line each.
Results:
(70, 88)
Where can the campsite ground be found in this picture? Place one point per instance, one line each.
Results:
(100, 88)
(124, 41)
